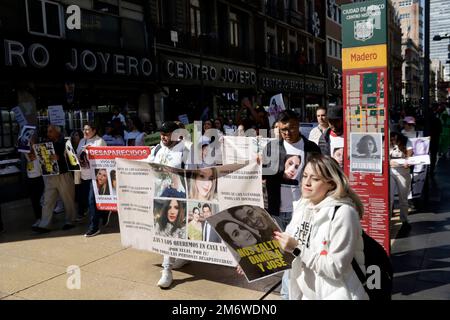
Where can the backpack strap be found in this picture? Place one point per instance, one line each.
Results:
(355, 265)
(359, 273)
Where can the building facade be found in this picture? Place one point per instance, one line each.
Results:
(410, 14)
(440, 24)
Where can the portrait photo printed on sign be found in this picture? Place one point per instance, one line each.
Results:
(169, 184)
(197, 226)
(101, 183)
(202, 184)
(366, 152)
(23, 142)
(43, 152)
(170, 218)
(71, 157)
(248, 232)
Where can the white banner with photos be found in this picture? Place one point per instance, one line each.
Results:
(164, 210)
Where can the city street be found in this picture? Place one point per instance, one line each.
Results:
(34, 267)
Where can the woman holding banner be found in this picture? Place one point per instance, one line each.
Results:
(324, 235)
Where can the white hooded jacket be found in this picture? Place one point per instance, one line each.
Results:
(323, 270)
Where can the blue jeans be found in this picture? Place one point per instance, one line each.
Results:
(94, 214)
(284, 292)
(283, 219)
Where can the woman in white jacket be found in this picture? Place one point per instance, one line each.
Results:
(325, 235)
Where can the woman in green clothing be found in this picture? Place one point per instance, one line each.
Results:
(195, 226)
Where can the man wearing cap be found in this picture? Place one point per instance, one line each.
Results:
(171, 151)
(336, 121)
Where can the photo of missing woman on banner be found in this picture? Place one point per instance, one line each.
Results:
(248, 233)
(170, 218)
(170, 185)
(101, 179)
(366, 152)
(202, 184)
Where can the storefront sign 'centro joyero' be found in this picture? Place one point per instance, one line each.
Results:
(38, 56)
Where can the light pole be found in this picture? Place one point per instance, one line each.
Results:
(426, 69)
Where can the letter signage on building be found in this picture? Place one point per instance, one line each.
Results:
(185, 70)
(47, 55)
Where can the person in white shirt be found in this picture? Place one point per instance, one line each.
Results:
(323, 125)
(400, 177)
(112, 137)
(171, 152)
(134, 136)
(90, 138)
(325, 235)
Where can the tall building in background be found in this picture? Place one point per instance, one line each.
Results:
(440, 24)
(410, 13)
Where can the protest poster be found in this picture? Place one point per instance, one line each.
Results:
(20, 117)
(23, 142)
(102, 163)
(56, 115)
(248, 233)
(43, 152)
(71, 157)
(366, 152)
(420, 160)
(164, 210)
(237, 149)
(183, 118)
(337, 149)
(276, 107)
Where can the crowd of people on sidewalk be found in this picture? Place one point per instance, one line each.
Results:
(308, 187)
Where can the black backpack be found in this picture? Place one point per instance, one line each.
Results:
(374, 255)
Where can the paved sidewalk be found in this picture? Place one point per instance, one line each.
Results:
(34, 266)
(421, 258)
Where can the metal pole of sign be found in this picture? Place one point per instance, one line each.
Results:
(426, 70)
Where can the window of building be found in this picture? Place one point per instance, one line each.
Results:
(405, 3)
(45, 18)
(195, 18)
(270, 43)
(334, 48)
(405, 16)
(311, 56)
(334, 12)
(234, 30)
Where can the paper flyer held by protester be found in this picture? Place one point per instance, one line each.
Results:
(165, 210)
(248, 233)
(43, 152)
(23, 142)
(71, 157)
(102, 162)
